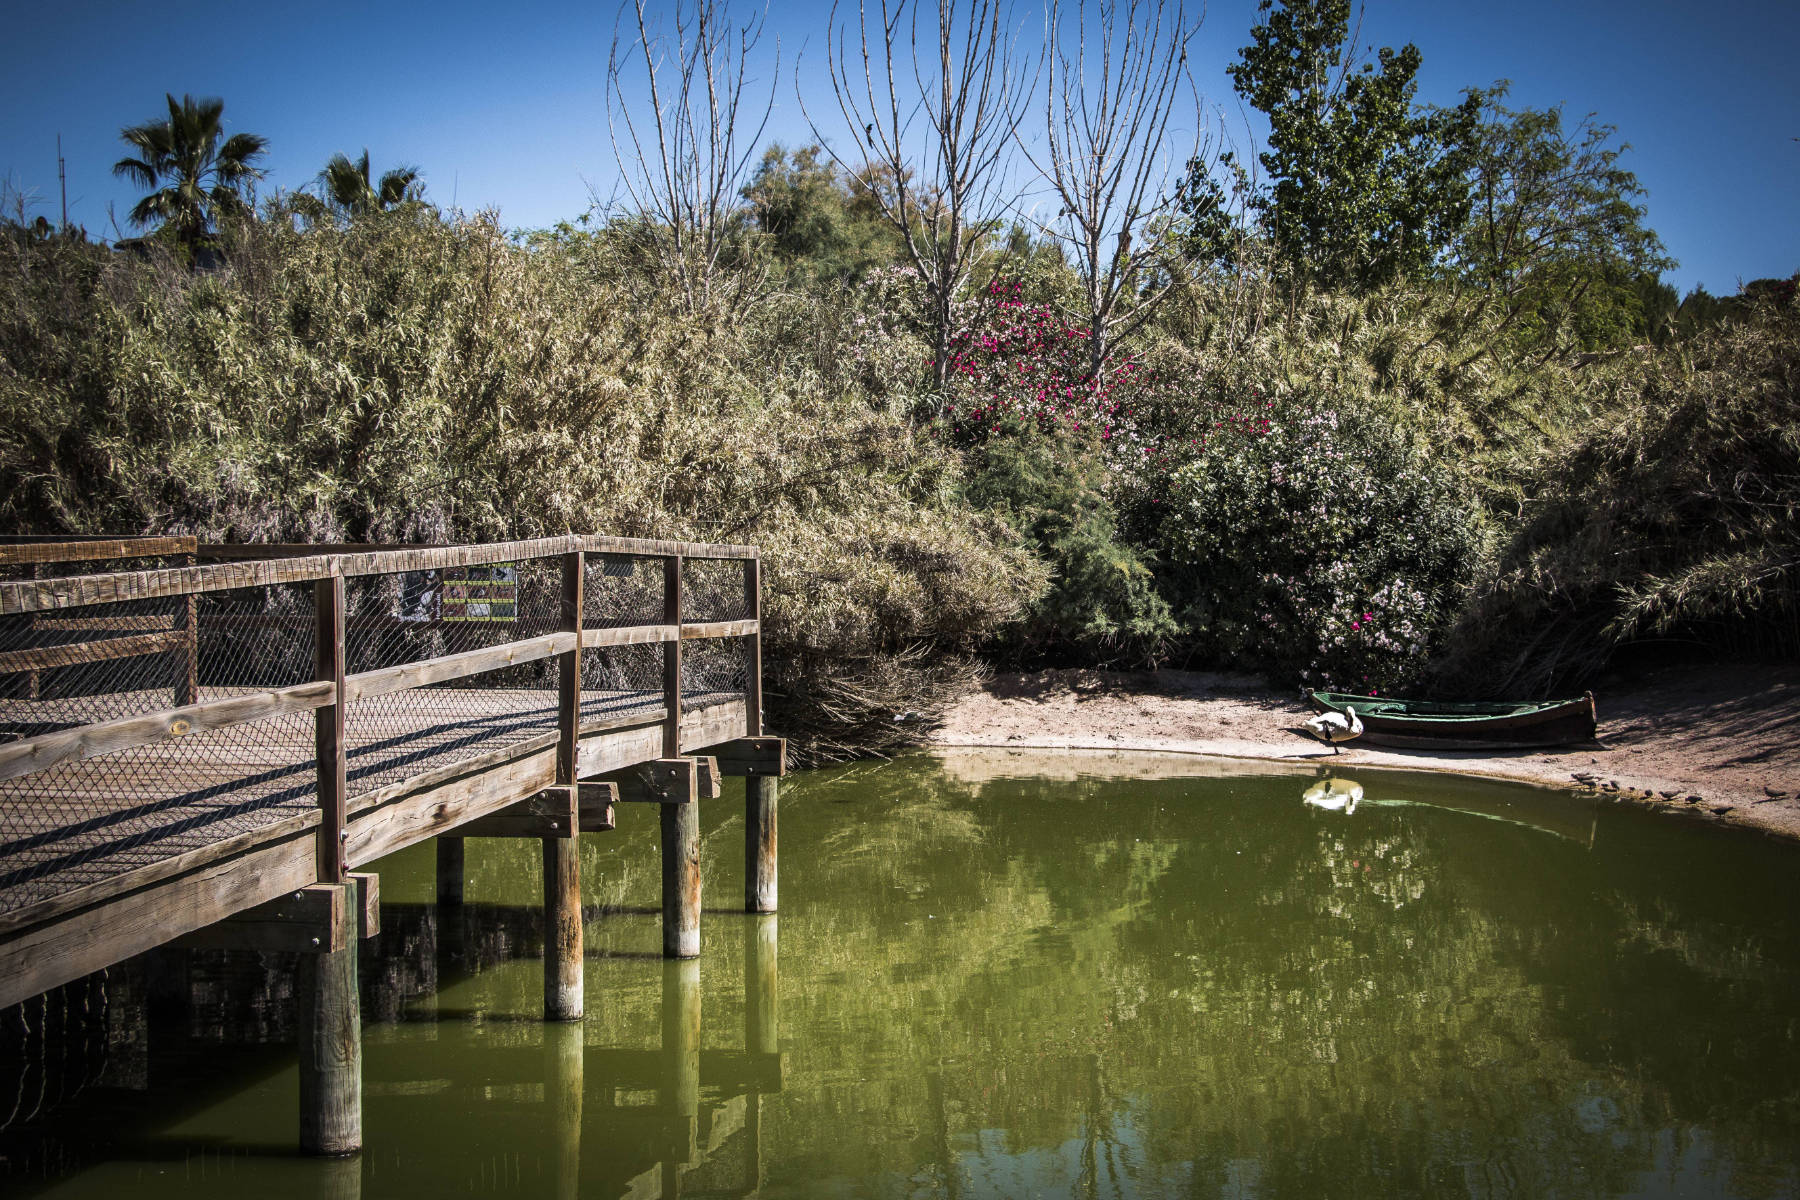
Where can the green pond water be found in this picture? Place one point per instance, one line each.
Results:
(985, 981)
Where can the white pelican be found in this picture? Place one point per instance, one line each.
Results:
(1336, 727)
(1334, 795)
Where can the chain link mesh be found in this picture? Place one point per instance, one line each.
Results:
(621, 590)
(712, 589)
(714, 671)
(87, 819)
(621, 684)
(392, 620)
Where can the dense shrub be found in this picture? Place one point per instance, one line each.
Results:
(1102, 604)
(1312, 535)
(1677, 515)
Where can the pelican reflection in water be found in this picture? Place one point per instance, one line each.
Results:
(1334, 794)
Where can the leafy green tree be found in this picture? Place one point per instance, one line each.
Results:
(1556, 239)
(1206, 218)
(1364, 187)
(1051, 486)
(197, 174)
(816, 220)
(350, 188)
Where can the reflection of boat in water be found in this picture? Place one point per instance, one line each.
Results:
(1334, 795)
(1547, 812)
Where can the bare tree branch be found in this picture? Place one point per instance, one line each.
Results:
(1117, 81)
(683, 162)
(933, 123)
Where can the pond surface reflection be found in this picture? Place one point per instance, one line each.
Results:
(988, 985)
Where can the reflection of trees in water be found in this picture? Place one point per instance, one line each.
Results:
(1326, 998)
(1107, 987)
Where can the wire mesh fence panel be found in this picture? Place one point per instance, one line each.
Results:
(621, 590)
(84, 820)
(712, 589)
(620, 683)
(413, 617)
(714, 671)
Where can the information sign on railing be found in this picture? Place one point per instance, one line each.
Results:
(483, 593)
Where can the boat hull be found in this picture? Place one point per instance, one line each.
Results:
(1416, 725)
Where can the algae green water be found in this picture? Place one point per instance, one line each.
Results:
(986, 985)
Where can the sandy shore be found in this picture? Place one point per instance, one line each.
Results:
(1720, 744)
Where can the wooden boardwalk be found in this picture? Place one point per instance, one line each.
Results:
(178, 796)
(210, 753)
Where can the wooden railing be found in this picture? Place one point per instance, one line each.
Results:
(43, 602)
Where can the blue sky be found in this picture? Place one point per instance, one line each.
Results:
(504, 106)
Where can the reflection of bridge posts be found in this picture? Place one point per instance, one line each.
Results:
(761, 1023)
(564, 1083)
(338, 1178)
(452, 929)
(761, 1031)
(680, 1069)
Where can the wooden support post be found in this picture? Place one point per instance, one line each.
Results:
(168, 1011)
(564, 952)
(328, 727)
(450, 865)
(761, 793)
(672, 658)
(330, 1021)
(34, 682)
(681, 864)
(187, 612)
(368, 904)
(753, 682)
(761, 975)
(565, 1086)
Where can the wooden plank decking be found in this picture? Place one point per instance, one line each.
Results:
(94, 819)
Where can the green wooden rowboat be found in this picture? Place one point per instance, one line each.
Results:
(1471, 725)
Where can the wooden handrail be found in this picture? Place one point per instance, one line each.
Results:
(53, 550)
(333, 689)
(367, 684)
(288, 565)
(106, 737)
(44, 658)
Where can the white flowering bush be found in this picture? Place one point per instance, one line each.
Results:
(1314, 538)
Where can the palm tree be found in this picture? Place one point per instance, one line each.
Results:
(347, 186)
(198, 174)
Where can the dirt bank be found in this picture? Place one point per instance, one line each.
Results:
(1720, 743)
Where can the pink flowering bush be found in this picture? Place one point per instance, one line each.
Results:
(1014, 363)
(1313, 537)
